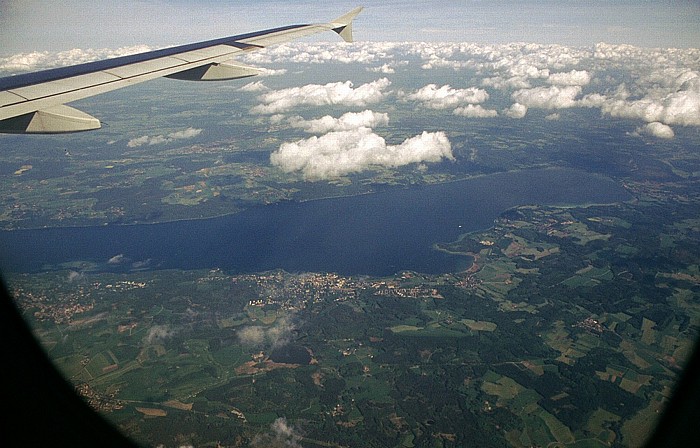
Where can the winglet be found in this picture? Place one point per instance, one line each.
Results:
(343, 24)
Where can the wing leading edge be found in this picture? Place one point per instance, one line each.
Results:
(34, 103)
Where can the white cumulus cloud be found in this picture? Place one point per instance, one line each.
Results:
(445, 97)
(281, 435)
(75, 276)
(253, 336)
(160, 139)
(158, 334)
(655, 129)
(387, 69)
(324, 52)
(274, 336)
(553, 97)
(346, 122)
(42, 60)
(572, 78)
(255, 86)
(117, 259)
(343, 152)
(516, 110)
(592, 100)
(271, 71)
(344, 93)
(681, 107)
(475, 111)
(501, 83)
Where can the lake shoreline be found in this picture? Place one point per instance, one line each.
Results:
(376, 234)
(312, 200)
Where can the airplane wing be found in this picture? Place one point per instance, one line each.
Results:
(34, 103)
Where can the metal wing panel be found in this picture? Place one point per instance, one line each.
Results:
(7, 98)
(145, 67)
(212, 53)
(278, 37)
(60, 86)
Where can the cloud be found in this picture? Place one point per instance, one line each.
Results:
(74, 276)
(553, 97)
(681, 107)
(117, 259)
(655, 129)
(160, 139)
(516, 110)
(512, 60)
(26, 62)
(641, 84)
(553, 117)
(281, 435)
(523, 67)
(339, 153)
(645, 109)
(277, 335)
(187, 133)
(43, 60)
(278, 101)
(256, 86)
(572, 78)
(158, 334)
(143, 264)
(472, 111)
(592, 100)
(445, 97)
(346, 122)
(387, 69)
(145, 140)
(281, 332)
(253, 336)
(324, 52)
(270, 71)
(501, 83)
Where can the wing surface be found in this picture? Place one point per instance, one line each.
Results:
(35, 102)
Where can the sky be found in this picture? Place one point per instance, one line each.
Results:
(36, 25)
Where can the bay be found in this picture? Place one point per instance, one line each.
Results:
(375, 234)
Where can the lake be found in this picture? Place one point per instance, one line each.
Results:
(376, 234)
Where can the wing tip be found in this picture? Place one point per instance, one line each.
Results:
(343, 24)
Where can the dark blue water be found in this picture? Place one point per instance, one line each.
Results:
(378, 234)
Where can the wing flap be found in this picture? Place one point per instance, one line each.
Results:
(216, 72)
(58, 119)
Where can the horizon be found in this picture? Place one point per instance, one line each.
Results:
(31, 27)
